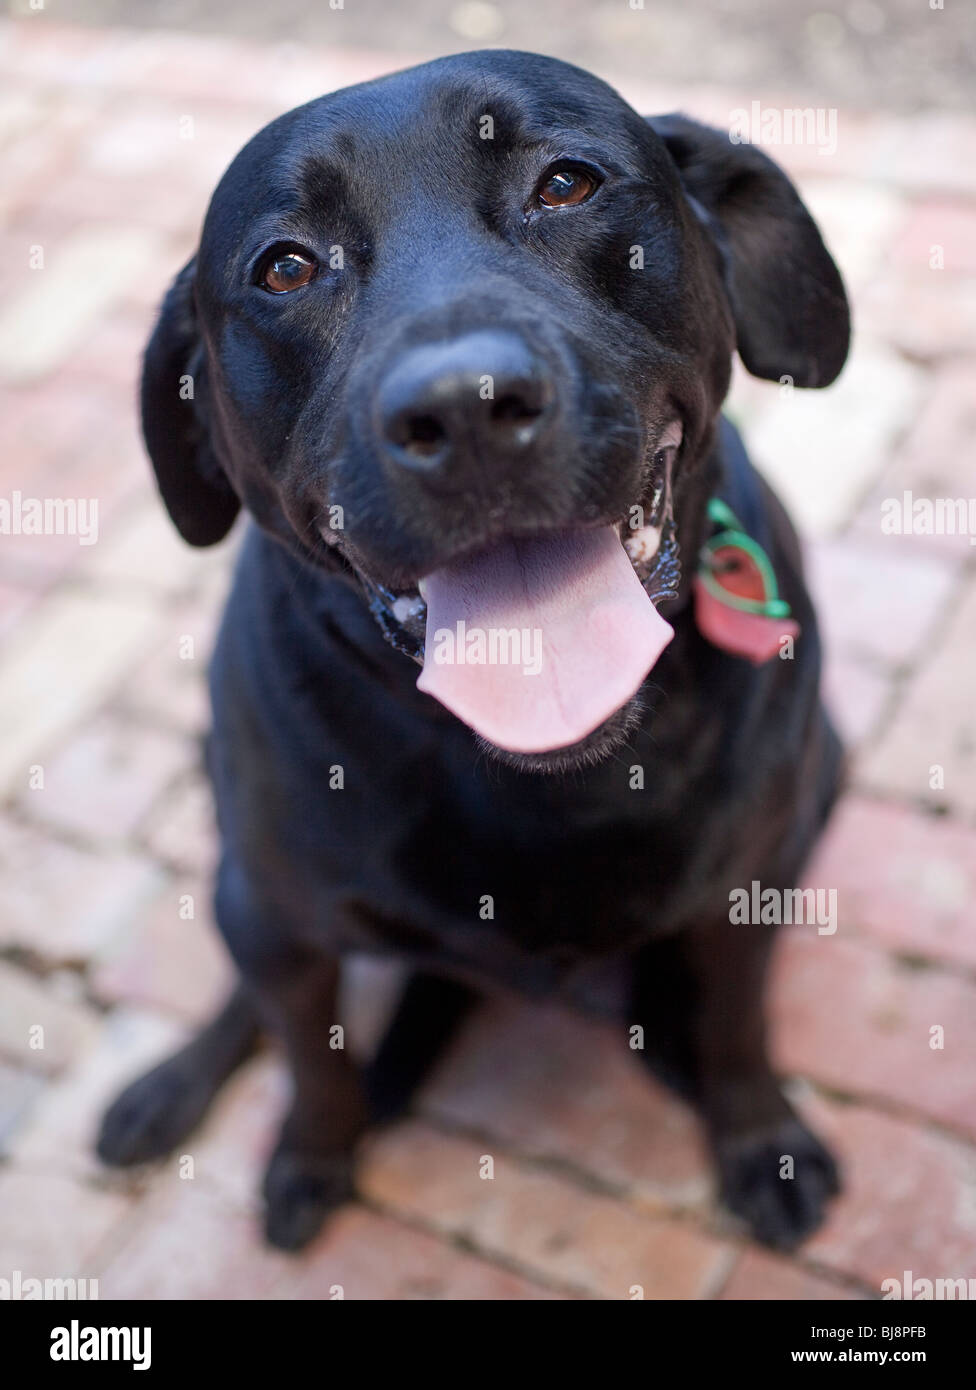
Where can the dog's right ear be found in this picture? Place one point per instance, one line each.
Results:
(787, 298)
(197, 493)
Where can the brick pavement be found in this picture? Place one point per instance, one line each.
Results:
(105, 834)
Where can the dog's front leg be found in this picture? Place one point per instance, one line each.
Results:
(294, 988)
(699, 996)
(310, 1171)
(774, 1172)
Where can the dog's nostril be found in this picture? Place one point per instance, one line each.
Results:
(434, 417)
(423, 436)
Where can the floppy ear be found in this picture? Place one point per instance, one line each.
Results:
(788, 301)
(194, 487)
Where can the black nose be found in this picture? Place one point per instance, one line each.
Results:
(481, 399)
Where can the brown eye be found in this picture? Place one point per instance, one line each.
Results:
(567, 187)
(288, 271)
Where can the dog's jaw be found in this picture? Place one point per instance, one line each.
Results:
(652, 547)
(595, 748)
(649, 539)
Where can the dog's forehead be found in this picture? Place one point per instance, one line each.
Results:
(443, 110)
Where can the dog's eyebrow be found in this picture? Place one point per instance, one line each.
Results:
(572, 143)
(320, 180)
(309, 198)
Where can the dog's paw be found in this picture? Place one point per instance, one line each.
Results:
(153, 1115)
(300, 1191)
(779, 1180)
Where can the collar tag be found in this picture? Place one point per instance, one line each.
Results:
(737, 602)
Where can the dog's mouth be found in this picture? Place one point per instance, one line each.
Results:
(537, 642)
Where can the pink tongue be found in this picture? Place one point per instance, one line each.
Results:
(535, 643)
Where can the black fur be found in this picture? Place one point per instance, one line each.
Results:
(587, 875)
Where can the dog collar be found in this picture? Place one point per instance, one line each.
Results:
(738, 607)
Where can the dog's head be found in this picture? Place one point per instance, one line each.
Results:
(466, 330)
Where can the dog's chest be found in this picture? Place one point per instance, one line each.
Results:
(520, 899)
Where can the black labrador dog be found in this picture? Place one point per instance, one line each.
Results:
(458, 339)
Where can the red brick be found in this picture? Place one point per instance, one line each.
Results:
(41, 561)
(197, 67)
(89, 268)
(182, 145)
(71, 441)
(822, 455)
(165, 204)
(18, 1090)
(269, 78)
(909, 1200)
(42, 435)
(232, 1147)
(759, 1276)
(168, 961)
(113, 358)
(108, 463)
(936, 457)
(907, 878)
(105, 777)
(61, 903)
(61, 667)
(186, 1243)
(537, 1221)
(43, 151)
(849, 1016)
(371, 1257)
(167, 689)
(931, 151)
(940, 222)
(553, 1085)
(161, 192)
(143, 550)
(857, 218)
(182, 829)
(852, 582)
(927, 316)
(77, 56)
(52, 1225)
(42, 1026)
(59, 1133)
(859, 133)
(16, 602)
(856, 695)
(934, 461)
(935, 723)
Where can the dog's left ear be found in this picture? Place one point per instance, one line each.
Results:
(198, 496)
(788, 301)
